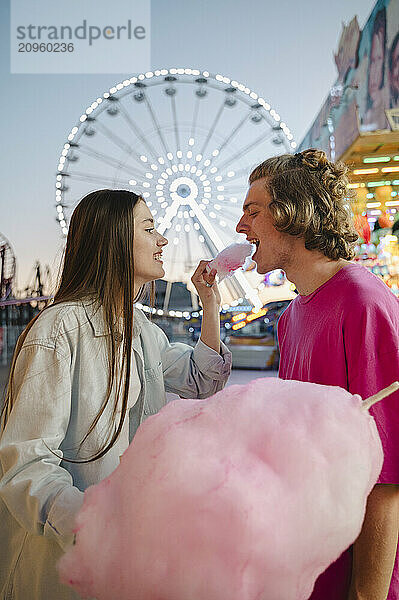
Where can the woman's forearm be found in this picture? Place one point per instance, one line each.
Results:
(210, 330)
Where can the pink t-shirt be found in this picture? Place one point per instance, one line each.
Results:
(346, 333)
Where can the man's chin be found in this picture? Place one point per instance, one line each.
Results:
(259, 268)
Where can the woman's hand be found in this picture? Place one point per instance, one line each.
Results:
(209, 294)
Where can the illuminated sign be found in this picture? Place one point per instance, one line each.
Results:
(239, 325)
(239, 317)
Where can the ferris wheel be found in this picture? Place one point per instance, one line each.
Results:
(7, 267)
(186, 140)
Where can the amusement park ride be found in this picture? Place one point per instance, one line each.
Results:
(8, 263)
(186, 140)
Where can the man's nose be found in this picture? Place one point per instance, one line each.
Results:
(241, 226)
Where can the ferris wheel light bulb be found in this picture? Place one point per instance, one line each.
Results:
(143, 158)
(198, 157)
(179, 154)
(191, 142)
(169, 155)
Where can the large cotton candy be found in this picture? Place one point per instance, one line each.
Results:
(248, 495)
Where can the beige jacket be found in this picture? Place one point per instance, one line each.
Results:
(60, 383)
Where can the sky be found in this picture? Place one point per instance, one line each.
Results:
(282, 50)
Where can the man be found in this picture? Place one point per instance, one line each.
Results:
(342, 329)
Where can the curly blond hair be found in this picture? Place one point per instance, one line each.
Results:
(309, 194)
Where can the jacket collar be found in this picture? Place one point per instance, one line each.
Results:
(94, 314)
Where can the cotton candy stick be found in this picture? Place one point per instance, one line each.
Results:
(369, 402)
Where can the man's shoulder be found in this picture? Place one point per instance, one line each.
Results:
(360, 287)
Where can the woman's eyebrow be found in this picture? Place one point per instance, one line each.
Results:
(150, 220)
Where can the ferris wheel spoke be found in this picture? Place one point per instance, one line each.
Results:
(232, 286)
(95, 178)
(173, 255)
(240, 153)
(176, 128)
(118, 141)
(138, 132)
(232, 134)
(234, 190)
(170, 214)
(212, 127)
(157, 125)
(113, 162)
(189, 259)
(237, 174)
(195, 117)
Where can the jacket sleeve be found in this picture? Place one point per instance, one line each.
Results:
(191, 372)
(37, 490)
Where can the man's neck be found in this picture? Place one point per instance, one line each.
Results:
(311, 270)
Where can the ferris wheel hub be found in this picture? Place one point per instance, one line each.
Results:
(184, 189)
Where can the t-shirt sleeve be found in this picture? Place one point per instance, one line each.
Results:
(372, 354)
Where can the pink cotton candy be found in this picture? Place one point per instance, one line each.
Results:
(230, 259)
(248, 495)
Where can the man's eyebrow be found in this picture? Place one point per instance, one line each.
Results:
(150, 220)
(246, 206)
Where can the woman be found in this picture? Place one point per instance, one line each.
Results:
(86, 372)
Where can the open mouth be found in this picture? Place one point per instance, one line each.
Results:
(254, 241)
(158, 256)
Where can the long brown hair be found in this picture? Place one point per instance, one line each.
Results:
(310, 199)
(98, 264)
